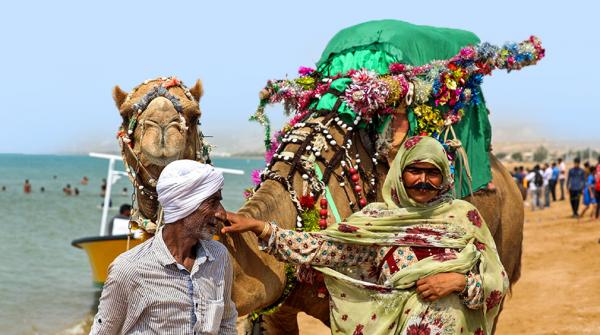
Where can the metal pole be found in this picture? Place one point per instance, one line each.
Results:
(103, 231)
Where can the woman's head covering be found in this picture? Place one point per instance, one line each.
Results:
(183, 185)
(416, 149)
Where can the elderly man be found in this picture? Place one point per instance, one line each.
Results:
(179, 281)
(420, 262)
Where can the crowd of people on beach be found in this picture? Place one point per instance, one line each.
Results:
(541, 184)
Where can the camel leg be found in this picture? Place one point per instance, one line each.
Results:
(282, 322)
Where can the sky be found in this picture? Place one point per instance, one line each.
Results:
(60, 61)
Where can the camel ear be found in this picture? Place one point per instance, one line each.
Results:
(197, 91)
(119, 96)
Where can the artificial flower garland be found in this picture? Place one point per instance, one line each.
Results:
(437, 92)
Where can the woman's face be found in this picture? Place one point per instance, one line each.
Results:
(422, 181)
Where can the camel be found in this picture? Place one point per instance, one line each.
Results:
(159, 136)
(160, 125)
(260, 280)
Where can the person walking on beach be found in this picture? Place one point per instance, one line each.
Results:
(554, 180)
(518, 176)
(575, 185)
(535, 182)
(27, 187)
(588, 192)
(562, 168)
(597, 188)
(547, 173)
(179, 281)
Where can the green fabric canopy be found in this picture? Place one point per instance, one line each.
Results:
(375, 45)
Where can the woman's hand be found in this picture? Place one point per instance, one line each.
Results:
(440, 285)
(240, 223)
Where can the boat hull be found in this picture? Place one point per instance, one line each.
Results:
(101, 251)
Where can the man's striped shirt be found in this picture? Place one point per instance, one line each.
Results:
(148, 292)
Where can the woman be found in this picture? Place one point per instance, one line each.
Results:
(418, 263)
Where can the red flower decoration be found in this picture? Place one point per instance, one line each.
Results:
(493, 300)
(411, 142)
(422, 329)
(171, 82)
(346, 228)
(374, 317)
(480, 246)
(479, 331)
(473, 216)
(307, 202)
(396, 68)
(358, 330)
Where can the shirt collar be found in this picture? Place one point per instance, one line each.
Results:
(164, 255)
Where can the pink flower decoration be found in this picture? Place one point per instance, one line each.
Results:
(256, 179)
(480, 246)
(305, 71)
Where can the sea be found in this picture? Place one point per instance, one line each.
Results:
(45, 283)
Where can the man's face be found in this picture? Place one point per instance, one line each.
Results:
(422, 181)
(202, 223)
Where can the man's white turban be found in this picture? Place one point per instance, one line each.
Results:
(183, 185)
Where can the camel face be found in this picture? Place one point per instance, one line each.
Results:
(165, 114)
(162, 132)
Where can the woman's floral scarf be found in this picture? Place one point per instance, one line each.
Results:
(360, 307)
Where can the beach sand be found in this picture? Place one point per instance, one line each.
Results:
(559, 289)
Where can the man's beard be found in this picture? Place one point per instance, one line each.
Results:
(205, 232)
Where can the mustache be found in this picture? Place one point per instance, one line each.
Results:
(423, 186)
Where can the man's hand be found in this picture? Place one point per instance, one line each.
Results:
(239, 224)
(440, 285)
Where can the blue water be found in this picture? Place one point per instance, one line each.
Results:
(45, 283)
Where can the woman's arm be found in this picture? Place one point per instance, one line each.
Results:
(467, 286)
(300, 247)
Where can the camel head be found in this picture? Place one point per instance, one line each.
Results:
(160, 118)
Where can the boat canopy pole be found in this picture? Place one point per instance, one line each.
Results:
(107, 193)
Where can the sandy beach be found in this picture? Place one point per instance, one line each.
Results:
(559, 289)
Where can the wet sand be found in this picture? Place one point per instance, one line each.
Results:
(559, 289)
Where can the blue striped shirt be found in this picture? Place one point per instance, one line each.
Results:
(148, 292)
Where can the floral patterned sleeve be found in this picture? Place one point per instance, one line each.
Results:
(310, 248)
(472, 295)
